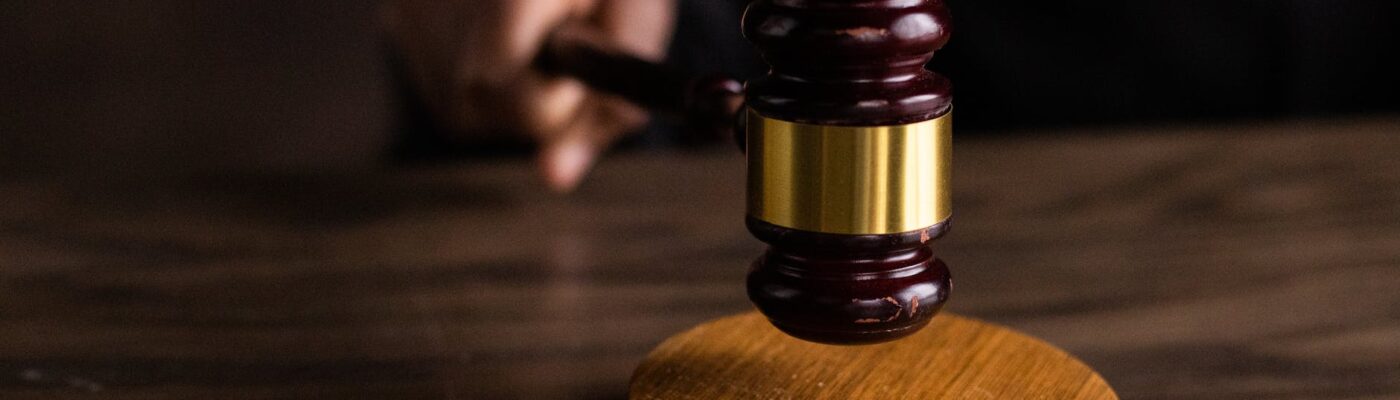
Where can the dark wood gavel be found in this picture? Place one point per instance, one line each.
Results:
(848, 140)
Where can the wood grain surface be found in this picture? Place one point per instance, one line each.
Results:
(745, 357)
(1243, 261)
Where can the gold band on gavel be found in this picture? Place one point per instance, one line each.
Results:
(857, 180)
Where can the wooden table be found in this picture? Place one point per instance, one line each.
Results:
(1224, 261)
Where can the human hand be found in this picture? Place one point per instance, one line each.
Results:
(472, 62)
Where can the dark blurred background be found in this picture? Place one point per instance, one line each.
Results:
(153, 86)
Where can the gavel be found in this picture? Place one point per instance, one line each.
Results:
(848, 142)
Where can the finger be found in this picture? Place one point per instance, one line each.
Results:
(638, 27)
(564, 160)
(497, 76)
(470, 60)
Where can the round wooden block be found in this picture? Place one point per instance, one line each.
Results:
(744, 357)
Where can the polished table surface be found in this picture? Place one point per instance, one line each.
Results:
(1238, 261)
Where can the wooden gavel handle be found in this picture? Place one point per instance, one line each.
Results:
(708, 103)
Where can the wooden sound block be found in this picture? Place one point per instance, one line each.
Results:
(744, 357)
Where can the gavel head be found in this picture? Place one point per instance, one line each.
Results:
(848, 140)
